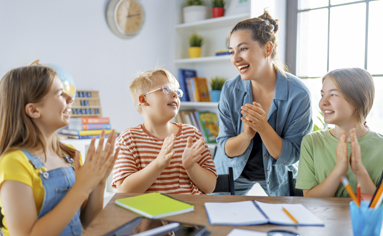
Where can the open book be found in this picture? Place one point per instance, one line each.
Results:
(257, 213)
(154, 205)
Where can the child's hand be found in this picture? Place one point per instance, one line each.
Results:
(98, 162)
(166, 153)
(356, 157)
(342, 154)
(192, 153)
(112, 140)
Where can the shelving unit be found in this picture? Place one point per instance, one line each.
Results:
(214, 32)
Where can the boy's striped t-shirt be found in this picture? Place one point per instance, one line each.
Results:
(138, 148)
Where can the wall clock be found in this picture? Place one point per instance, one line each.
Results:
(125, 18)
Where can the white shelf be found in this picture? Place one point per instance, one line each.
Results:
(213, 22)
(199, 104)
(203, 59)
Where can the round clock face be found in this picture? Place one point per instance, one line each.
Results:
(125, 17)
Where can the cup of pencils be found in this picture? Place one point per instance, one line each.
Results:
(366, 220)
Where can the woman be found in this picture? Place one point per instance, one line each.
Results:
(264, 112)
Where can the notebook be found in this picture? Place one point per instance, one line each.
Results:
(257, 213)
(154, 205)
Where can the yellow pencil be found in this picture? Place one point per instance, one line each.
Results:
(349, 190)
(290, 216)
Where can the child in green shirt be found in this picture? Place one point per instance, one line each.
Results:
(349, 149)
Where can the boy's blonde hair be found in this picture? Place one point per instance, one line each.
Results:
(145, 81)
(357, 85)
(18, 87)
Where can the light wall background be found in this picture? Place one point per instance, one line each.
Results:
(74, 34)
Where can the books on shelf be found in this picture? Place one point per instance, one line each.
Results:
(183, 74)
(154, 205)
(84, 127)
(201, 89)
(85, 136)
(195, 88)
(84, 133)
(222, 52)
(257, 213)
(206, 122)
(89, 120)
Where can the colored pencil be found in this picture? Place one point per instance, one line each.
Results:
(358, 193)
(290, 216)
(349, 190)
(377, 196)
(376, 190)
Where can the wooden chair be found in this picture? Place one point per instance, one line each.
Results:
(225, 183)
(293, 190)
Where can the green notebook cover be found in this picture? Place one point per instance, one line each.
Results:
(154, 205)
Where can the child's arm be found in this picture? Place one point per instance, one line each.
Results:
(95, 201)
(19, 204)
(329, 186)
(204, 179)
(362, 176)
(140, 181)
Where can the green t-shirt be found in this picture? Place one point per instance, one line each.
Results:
(318, 158)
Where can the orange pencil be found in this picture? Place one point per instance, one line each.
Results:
(358, 193)
(376, 198)
(290, 216)
(349, 190)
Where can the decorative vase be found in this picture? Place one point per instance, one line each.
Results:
(217, 11)
(215, 95)
(195, 52)
(194, 13)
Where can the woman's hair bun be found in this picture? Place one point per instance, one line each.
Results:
(270, 21)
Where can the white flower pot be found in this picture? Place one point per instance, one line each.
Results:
(194, 13)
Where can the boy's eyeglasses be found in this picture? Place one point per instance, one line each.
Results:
(168, 90)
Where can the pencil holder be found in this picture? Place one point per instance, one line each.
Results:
(365, 221)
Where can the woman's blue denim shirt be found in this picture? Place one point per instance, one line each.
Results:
(290, 115)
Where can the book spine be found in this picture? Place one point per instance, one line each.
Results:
(95, 120)
(93, 132)
(86, 136)
(96, 127)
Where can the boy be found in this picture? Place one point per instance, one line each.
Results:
(159, 155)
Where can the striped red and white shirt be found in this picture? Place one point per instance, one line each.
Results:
(138, 148)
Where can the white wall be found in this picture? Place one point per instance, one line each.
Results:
(277, 9)
(74, 34)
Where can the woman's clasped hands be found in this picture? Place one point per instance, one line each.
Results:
(254, 119)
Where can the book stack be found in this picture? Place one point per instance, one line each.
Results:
(222, 52)
(195, 88)
(206, 122)
(87, 127)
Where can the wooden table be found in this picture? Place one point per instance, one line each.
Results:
(333, 211)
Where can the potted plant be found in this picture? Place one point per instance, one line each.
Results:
(195, 10)
(195, 42)
(218, 8)
(216, 84)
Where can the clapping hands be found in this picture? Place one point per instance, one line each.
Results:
(99, 163)
(192, 153)
(254, 120)
(355, 155)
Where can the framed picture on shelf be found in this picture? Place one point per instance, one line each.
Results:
(234, 7)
